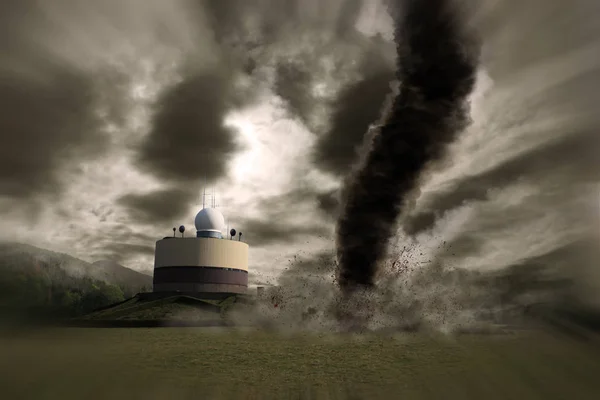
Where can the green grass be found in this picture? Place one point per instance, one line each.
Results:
(216, 363)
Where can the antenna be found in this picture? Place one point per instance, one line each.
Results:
(174, 229)
(182, 229)
(203, 196)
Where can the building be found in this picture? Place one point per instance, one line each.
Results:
(207, 265)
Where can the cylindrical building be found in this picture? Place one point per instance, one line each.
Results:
(205, 264)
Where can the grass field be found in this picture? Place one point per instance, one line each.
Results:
(210, 363)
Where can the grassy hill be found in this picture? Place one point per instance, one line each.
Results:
(165, 311)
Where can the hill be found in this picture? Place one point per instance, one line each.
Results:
(150, 311)
(38, 282)
(18, 257)
(116, 274)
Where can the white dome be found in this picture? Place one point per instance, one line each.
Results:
(209, 219)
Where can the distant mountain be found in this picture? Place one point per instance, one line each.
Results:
(38, 283)
(56, 266)
(116, 274)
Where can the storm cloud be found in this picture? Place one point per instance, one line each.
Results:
(159, 207)
(568, 158)
(48, 118)
(260, 233)
(189, 140)
(275, 223)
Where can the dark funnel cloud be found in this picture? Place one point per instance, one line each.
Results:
(437, 62)
(356, 107)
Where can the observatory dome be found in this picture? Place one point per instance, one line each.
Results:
(209, 219)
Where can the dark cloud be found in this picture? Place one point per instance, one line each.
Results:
(245, 20)
(348, 17)
(553, 284)
(359, 99)
(226, 18)
(292, 82)
(188, 140)
(543, 29)
(248, 24)
(158, 207)
(564, 161)
(48, 118)
(115, 102)
(272, 226)
(44, 125)
(279, 208)
(261, 232)
(328, 28)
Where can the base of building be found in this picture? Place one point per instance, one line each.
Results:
(197, 295)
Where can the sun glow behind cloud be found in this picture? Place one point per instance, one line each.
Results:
(272, 149)
(245, 165)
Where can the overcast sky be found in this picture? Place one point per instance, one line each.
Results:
(115, 114)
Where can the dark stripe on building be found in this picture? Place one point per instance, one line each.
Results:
(204, 275)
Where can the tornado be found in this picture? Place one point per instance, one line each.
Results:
(437, 58)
